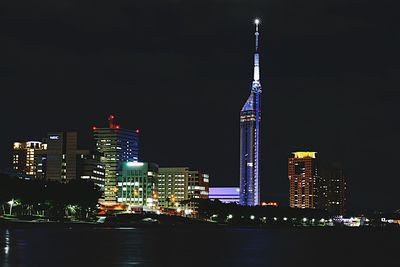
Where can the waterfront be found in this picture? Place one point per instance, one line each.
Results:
(198, 247)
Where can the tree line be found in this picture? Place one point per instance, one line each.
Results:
(49, 199)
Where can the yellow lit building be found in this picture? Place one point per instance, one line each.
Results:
(26, 157)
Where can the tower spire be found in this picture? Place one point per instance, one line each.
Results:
(256, 22)
(256, 87)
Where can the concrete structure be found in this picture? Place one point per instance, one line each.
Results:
(25, 157)
(225, 194)
(116, 146)
(177, 184)
(303, 174)
(331, 189)
(61, 156)
(89, 167)
(137, 185)
(250, 117)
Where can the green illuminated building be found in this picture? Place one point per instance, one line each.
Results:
(137, 184)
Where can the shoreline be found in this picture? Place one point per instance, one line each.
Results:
(20, 224)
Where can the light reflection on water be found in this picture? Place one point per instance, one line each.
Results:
(193, 247)
(6, 247)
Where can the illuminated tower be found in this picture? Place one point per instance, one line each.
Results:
(250, 117)
(303, 175)
(116, 145)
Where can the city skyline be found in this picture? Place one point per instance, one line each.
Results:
(331, 86)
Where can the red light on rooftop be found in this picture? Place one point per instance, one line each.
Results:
(94, 128)
(111, 117)
(137, 131)
(117, 126)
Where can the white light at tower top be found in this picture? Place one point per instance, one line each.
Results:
(257, 21)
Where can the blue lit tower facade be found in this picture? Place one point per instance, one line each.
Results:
(116, 146)
(250, 117)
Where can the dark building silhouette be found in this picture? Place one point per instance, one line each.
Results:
(89, 167)
(61, 156)
(332, 189)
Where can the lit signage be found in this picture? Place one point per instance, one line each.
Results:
(54, 137)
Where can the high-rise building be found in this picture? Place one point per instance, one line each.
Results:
(331, 189)
(116, 145)
(137, 184)
(250, 117)
(178, 184)
(303, 174)
(89, 167)
(61, 156)
(25, 157)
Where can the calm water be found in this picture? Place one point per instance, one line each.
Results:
(199, 247)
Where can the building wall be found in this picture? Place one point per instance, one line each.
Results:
(89, 167)
(61, 156)
(249, 157)
(332, 190)
(180, 184)
(225, 194)
(172, 186)
(25, 157)
(137, 185)
(116, 146)
(302, 172)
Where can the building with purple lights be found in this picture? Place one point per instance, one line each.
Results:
(224, 194)
(250, 117)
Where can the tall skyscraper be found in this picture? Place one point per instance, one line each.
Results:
(61, 156)
(116, 145)
(250, 117)
(313, 185)
(331, 189)
(303, 174)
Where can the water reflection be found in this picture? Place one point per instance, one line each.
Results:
(189, 247)
(6, 248)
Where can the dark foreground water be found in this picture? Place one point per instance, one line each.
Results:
(199, 247)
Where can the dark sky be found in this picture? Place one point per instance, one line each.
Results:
(181, 71)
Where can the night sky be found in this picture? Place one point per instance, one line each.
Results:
(181, 71)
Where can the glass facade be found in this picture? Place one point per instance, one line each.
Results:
(137, 184)
(116, 146)
(250, 117)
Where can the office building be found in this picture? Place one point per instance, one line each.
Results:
(137, 185)
(116, 145)
(26, 158)
(89, 167)
(250, 117)
(331, 188)
(180, 184)
(225, 194)
(303, 174)
(61, 156)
